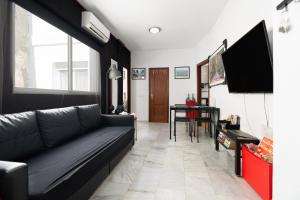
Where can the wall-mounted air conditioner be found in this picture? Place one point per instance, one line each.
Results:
(93, 25)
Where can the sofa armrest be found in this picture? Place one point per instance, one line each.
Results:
(118, 120)
(13, 181)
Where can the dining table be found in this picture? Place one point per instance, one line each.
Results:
(190, 119)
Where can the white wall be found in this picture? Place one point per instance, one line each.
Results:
(237, 18)
(178, 88)
(286, 107)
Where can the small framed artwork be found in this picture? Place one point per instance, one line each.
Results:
(182, 72)
(138, 73)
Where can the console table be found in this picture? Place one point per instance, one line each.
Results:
(239, 137)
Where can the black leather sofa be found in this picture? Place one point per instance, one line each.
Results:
(60, 154)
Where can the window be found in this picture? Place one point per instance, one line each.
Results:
(46, 58)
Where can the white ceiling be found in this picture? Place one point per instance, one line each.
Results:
(183, 22)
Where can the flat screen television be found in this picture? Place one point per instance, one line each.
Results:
(248, 63)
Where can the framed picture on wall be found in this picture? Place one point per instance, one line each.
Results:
(216, 68)
(182, 72)
(138, 73)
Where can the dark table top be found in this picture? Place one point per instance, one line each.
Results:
(237, 134)
(185, 107)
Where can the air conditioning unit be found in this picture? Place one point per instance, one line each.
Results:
(93, 25)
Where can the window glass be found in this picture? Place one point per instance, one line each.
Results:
(85, 63)
(44, 55)
(39, 49)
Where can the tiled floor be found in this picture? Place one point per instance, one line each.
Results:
(160, 169)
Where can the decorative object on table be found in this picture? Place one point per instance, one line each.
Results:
(188, 98)
(112, 73)
(216, 67)
(264, 150)
(234, 119)
(226, 141)
(182, 72)
(191, 101)
(138, 73)
(232, 122)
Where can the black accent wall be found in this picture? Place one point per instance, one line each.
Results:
(66, 15)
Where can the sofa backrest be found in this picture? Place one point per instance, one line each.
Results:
(25, 134)
(19, 136)
(90, 117)
(58, 125)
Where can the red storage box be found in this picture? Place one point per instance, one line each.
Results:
(258, 173)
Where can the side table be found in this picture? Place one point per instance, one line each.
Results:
(239, 138)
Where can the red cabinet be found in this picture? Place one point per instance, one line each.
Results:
(258, 173)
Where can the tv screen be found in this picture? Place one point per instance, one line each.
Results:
(248, 63)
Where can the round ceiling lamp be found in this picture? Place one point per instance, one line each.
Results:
(155, 30)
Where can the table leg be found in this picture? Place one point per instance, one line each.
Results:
(238, 158)
(194, 128)
(216, 140)
(136, 130)
(170, 122)
(175, 129)
(191, 130)
(197, 131)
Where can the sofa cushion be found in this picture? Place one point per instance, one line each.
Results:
(19, 136)
(61, 166)
(58, 125)
(90, 117)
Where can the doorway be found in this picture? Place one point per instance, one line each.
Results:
(159, 95)
(202, 83)
(125, 89)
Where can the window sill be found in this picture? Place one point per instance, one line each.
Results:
(18, 90)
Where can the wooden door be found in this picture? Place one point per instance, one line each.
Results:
(159, 95)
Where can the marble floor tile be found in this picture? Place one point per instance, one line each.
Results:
(201, 185)
(136, 195)
(194, 194)
(197, 172)
(143, 188)
(109, 189)
(172, 179)
(113, 197)
(147, 178)
(126, 170)
(169, 194)
(158, 168)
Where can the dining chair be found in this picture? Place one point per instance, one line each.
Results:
(185, 119)
(205, 115)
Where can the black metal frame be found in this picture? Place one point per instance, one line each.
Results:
(225, 45)
(283, 4)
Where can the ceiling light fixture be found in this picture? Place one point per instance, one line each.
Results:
(155, 29)
(285, 22)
